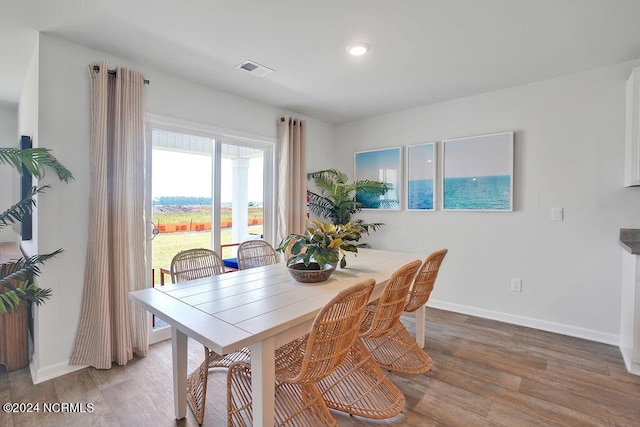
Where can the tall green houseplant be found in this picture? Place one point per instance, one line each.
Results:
(338, 200)
(17, 279)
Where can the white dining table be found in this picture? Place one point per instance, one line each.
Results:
(260, 308)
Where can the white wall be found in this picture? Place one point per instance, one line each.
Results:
(8, 175)
(63, 125)
(569, 139)
(569, 153)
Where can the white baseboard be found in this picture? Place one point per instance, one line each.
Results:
(632, 367)
(530, 322)
(53, 371)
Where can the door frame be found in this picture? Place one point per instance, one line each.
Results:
(220, 136)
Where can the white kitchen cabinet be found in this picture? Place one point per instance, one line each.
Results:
(632, 136)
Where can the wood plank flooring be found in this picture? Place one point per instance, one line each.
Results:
(485, 373)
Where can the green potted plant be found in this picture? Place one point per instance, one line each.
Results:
(17, 287)
(338, 200)
(17, 284)
(321, 247)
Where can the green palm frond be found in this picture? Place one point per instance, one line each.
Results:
(25, 291)
(321, 206)
(328, 175)
(371, 187)
(17, 278)
(369, 226)
(34, 160)
(339, 200)
(16, 213)
(369, 193)
(17, 282)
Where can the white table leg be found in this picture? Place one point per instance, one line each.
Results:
(179, 353)
(420, 325)
(262, 382)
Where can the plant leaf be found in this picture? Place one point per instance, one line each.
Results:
(34, 160)
(16, 213)
(17, 282)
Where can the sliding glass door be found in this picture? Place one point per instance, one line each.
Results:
(205, 190)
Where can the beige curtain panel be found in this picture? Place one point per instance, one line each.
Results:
(111, 328)
(292, 177)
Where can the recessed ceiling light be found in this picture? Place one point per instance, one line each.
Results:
(358, 49)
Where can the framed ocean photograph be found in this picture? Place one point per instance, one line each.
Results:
(477, 173)
(421, 176)
(384, 166)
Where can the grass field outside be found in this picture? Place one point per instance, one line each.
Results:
(166, 245)
(201, 214)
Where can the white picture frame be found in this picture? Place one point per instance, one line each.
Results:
(421, 183)
(477, 173)
(384, 165)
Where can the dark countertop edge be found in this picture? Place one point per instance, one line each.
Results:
(631, 247)
(630, 240)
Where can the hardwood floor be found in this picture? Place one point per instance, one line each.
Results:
(485, 373)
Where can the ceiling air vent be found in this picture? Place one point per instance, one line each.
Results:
(254, 68)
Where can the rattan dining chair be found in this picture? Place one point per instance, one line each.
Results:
(196, 264)
(397, 350)
(359, 386)
(255, 253)
(302, 362)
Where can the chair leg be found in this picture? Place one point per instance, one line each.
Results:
(295, 404)
(397, 351)
(239, 408)
(198, 379)
(360, 387)
(197, 388)
(301, 405)
(421, 317)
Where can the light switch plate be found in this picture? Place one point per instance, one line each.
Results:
(557, 214)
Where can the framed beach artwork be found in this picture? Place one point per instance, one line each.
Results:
(421, 176)
(477, 173)
(384, 166)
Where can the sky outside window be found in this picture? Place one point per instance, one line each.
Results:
(186, 174)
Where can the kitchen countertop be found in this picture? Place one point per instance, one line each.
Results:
(630, 240)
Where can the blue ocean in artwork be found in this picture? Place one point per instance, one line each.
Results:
(421, 194)
(482, 192)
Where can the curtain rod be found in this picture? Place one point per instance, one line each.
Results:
(295, 121)
(96, 68)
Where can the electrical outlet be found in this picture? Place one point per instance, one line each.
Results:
(516, 285)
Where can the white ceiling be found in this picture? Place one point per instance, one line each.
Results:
(423, 51)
